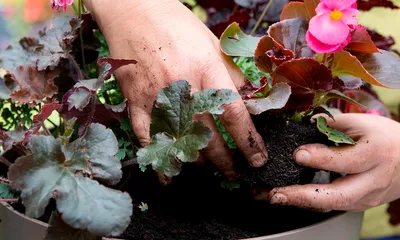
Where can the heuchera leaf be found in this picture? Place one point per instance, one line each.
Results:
(248, 3)
(46, 110)
(276, 98)
(33, 85)
(269, 54)
(333, 135)
(9, 138)
(4, 90)
(82, 93)
(117, 108)
(305, 76)
(234, 42)
(361, 41)
(177, 138)
(58, 229)
(381, 69)
(64, 172)
(295, 10)
(291, 34)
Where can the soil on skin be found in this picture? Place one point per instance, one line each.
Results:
(195, 207)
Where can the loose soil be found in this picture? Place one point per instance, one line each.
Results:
(195, 206)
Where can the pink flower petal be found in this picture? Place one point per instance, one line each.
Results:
(349, 16)
(322, 9)
(321, 47)
(327, 30)
(339, 4)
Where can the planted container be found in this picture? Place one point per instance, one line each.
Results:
(346, 226)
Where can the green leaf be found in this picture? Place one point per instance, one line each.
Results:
(176, 137)
(65, 172)
(6, 192)
(121, 154)
(234, 42)
(333, 135)
(58, 229)
(230, 185)
(276, 98)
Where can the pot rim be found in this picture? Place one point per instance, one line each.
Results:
(256, 238)
(292, 232)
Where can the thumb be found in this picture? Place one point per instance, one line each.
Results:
(140, 120)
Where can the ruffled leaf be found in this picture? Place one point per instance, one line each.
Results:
(64, 172)
(176, 137)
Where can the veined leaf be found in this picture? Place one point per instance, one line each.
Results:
(176, 137)
(64, 172)
(295, 10)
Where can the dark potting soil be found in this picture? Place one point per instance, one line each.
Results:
(195, 207)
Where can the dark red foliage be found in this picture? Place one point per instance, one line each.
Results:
(242, 17)
(394, 212)
(249, 90)
(216, 4)
(366, 5)
(381, 41)
(361, 41)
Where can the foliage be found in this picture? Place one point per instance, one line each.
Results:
(176, 137)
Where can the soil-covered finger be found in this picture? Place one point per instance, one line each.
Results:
(345, 159)
(217, 150)
(339, 195)
(238, 123)
(140, 120)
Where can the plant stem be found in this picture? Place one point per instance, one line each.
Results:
(324, 58)
(129, 162)
(261, 17)
(5, 161)
(76, 66)
(48, 133)
(4, 181)
(80, 8)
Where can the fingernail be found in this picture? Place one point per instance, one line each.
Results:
(258, 160)
(302, 156)
(278, 198)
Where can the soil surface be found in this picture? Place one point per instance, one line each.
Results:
(195, 207)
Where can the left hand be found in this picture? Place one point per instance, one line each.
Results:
(372, 168)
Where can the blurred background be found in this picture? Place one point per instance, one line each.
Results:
(20, 18)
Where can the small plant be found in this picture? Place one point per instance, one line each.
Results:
(65, 132)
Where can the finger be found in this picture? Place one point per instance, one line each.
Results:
(140, 120)
(237, 120)
(348, 159)
(217, 150)
(343, 194)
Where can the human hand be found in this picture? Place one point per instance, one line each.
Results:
(373, 167)
(171, 44)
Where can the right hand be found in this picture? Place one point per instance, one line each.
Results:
(170, 44)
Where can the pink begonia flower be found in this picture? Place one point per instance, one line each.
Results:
(57, 4)
(374, 112)
(330, 30)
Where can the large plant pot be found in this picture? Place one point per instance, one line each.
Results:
(347, 226)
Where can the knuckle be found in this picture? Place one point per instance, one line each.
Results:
(234, 114)
(342, 200)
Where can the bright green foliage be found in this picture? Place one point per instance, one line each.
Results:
(235, 43)
(249, 69)
(177, 138)
(333, 135)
